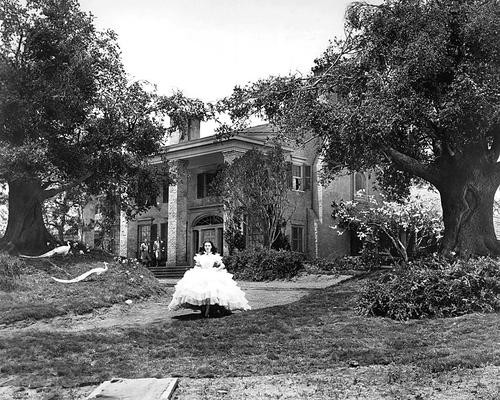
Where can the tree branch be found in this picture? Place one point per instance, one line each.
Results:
(413, 166)
(19, 46)
(48, 193)
(48, 183)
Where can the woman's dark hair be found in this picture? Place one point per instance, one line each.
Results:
(202, 248)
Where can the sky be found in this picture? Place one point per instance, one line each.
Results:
(206, 47)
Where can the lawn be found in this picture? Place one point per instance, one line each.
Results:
(320, 332)
(35, 295)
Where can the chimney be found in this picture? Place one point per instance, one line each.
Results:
(193, 129)
(192, 132)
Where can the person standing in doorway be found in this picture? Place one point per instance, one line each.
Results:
(156, 252)
(145, 257)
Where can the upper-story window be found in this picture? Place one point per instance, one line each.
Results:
(360, 184)
(301, 177)
(203, 182)
(297, 177)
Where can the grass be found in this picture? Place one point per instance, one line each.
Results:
(319, 332)
(35, 295)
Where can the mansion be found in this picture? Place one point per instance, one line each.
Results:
(186, 215)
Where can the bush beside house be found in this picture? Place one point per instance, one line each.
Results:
(264, 265)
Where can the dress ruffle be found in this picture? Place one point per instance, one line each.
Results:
(205, 284)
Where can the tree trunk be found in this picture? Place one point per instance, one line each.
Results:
(467, 196)
(26, 232)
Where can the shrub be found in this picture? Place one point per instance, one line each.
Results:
(10, 270)
(390, 230)
(264, 265)
(339, 265)
(434, 288)
(322, 266)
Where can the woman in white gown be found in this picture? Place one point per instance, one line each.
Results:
(208, 284)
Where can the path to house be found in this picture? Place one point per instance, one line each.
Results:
(259, 295)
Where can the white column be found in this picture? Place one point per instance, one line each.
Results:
(123, 234)
(172, 226)
(177, 215)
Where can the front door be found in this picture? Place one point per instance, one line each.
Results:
(208, 234)
(208, 228)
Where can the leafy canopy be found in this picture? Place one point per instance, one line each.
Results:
(68, 113)
(413, 85)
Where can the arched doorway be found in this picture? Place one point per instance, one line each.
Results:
(208, 227)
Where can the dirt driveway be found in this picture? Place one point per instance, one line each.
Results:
(259, 295)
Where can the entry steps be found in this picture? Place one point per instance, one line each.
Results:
(165, 272)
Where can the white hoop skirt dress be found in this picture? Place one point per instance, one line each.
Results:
(208, 283)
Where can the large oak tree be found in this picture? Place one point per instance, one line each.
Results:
(68, 116)
(413, 90)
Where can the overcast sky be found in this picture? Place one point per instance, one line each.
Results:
(206, 47)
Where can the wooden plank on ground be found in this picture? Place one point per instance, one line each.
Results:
(135, 389)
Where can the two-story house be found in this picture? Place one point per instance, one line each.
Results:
(186, 215)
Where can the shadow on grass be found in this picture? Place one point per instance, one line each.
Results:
(198, 316)
(188, 317)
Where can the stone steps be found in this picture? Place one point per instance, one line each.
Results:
(166, 272)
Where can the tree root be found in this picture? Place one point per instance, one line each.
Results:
(8, 247)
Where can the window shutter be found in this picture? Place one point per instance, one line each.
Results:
(289, 174)
(307, 177)
(196, 239)
(200, 185)
(164, 188)
(220, 241)
(153, 200)
(154, 233)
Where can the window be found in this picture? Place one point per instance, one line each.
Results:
(301, 177)
(203, 182)
(209, 220)
(359, 184)
(298, 238)
(297, 177)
